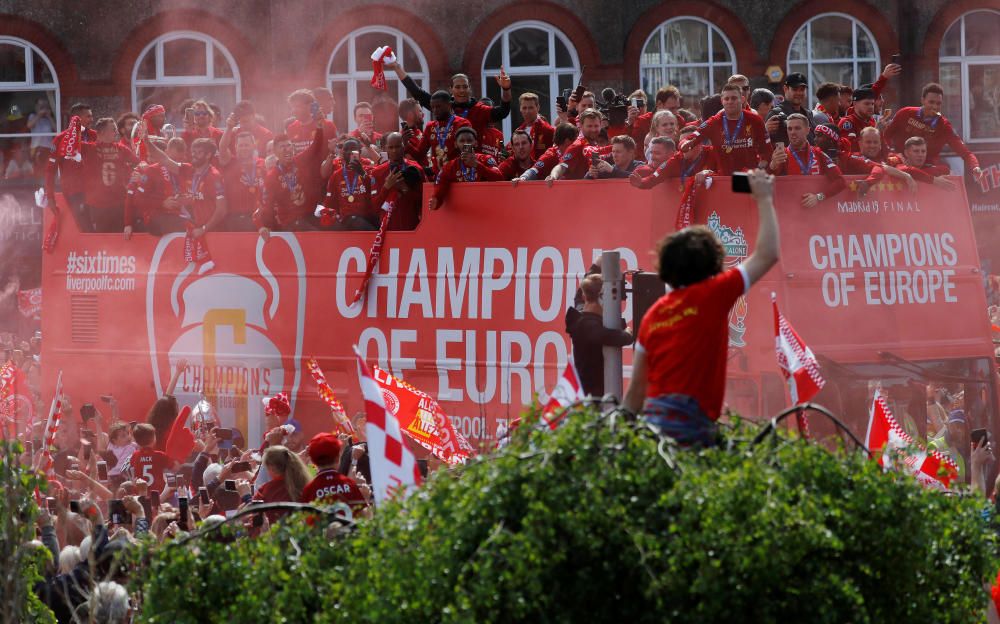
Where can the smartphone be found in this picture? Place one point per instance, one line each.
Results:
(170, 479)
(50, 504)
(180, 481)
(314, 109)
(897, 59)
(107, 398)
(235, 452)
(778, 145)
(886, 113)
(189, 114)
(561, 103)
(355, 156)
(154, 499)
(979, 437)
(230, 485)
(595, 158)
(242, 466)
(182, 509)
(258, 520)
(422, 467)
(578, 93)
(116, 509)
(741, 183)
(203, 495)
(223, 434)
(74, 506)
(634, 102)
(102, 471)
(86, 447)
(87, 411)
(467, 149)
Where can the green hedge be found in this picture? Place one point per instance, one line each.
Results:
(590, 524)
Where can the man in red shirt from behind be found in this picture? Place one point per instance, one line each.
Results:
(468, 167)
(329, 486)
(293, 188)
(801, 158)
(679, 369)
(738, 135)
(147, 463)
(927, 122)
(398, 182)
(107, 166)
(305, 110)
(70, 172)
(539, 131)
(202, 127)
(521, 158)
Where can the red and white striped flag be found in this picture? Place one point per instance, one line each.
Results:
(567, 392)
(51, 428)
(797, 363)
(326, 393)
(892, 447)
(393, 466)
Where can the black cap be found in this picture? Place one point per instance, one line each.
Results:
(795, 79)
(864, 93)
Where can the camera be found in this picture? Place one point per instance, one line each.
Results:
(615, 106)
(87, 411)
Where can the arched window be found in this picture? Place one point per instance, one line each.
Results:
(539, 59)
(349, 74)
(29, 92)
(181, 65)
(690, 54)
(970, 75)
(834, 47)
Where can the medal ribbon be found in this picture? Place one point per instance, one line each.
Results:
(920, 116)
(469, 175)
(290, 179)
(351, 190)
(442, 139)
(805, 167)
(730, 138)
(691, 168)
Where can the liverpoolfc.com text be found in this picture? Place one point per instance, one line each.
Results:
(99, 272)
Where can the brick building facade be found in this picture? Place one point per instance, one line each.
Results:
(119, 55)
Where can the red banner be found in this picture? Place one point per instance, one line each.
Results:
(470, 307)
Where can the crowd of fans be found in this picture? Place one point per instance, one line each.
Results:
(230, 172)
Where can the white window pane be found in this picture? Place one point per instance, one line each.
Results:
(222, 67)
(867, 74)
(172, 96)
(720, 51)
(184, 57)
(147, 66)
(831, 38)
(686, 41)
(367, 43)
(799, 50)
(494, 58)
(338, 64)
(950, 77)
(692, 82)
(984, 113)
(720, 74)
(340, 109)
(652, 80)
(951, 45)
(43, 75)
(411, 60)
(528, 46)
(866, 47)
(982, 34)
(12, 63)
(840, 73)
(538, 85)
(563, 57)
(651, 53)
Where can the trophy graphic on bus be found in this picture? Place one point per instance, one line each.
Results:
(240, 327)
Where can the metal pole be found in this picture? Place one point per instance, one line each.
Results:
(611, 300)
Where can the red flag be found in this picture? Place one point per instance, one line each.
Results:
(797, 363)
(373, 256)
(393, 466)
(196, 250)
(69, 146)
(380, 57)
(326, 393)
(180, 440)
(29, 303)
(685, 214)
(892, 447)
(423, 420)
(14, 396)
(567, 392)
(51, 428)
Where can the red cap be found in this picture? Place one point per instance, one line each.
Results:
(324, 448)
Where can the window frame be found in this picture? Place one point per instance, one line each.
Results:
(363, 72)
(708, 65)
(30, 85)
(964, 61)
(164, 80)
(854, 59)
(552, 70)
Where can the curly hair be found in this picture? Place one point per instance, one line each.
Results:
(689, 256)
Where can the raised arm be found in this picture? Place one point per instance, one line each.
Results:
(411, 87)
(159, 156)
(767, 248)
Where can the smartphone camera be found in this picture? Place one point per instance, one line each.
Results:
(741, 183)
(87, 411)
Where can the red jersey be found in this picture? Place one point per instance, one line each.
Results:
(577, 157)
(196, 132)
(300, 133)
(491, 143)
(851, 127)
(406, 211)
(478, 115)
(292, 192)
(274, 491)
(542, 135)
(107, 167)
(329, 486)
(937, 131)
(685, 337)
(413, 148)
(144, 193)
(856, 164)
(679, 167)
(440, 138)
(926, 173)
(641, 127)
(456, 171)
(510, 168)
(740, 144)
(813, 161)
(834, 116)
(349, 193)
(200, 190)
(149, 465)
(260, 134)
(71, 173)
(374, 137)
(244, 185)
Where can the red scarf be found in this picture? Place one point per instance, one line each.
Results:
(376, 250)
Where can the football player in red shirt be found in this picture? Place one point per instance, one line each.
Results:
(151, 185)
(860, 117)
(926, 121)
(299, 129)
(243, 178)
(521, 158)
(202, 127)
(622, 160)
(397, 181)
(199, 198)
(147, 463)
(466, 107)
(293, 188)
(679, 368)
(439, 135)
(570, 157)
(329, 486)
(828, 140)
(661, 148)
(107, 166)
(828, 108)
(348, 197)
(364, 120)
(872, 148)
(801, 158)
(468, 167)
(739, 137)
(743, 83)
(699, 161)
(539, 131)
(412, 129)
(915, 164)
(491, 142)
(71, 175)
(245, 116)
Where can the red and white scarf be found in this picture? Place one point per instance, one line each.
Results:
(380, 57)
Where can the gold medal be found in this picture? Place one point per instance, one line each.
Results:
(350, 199)
(680, 188)
(729, 149)
(440, 153)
